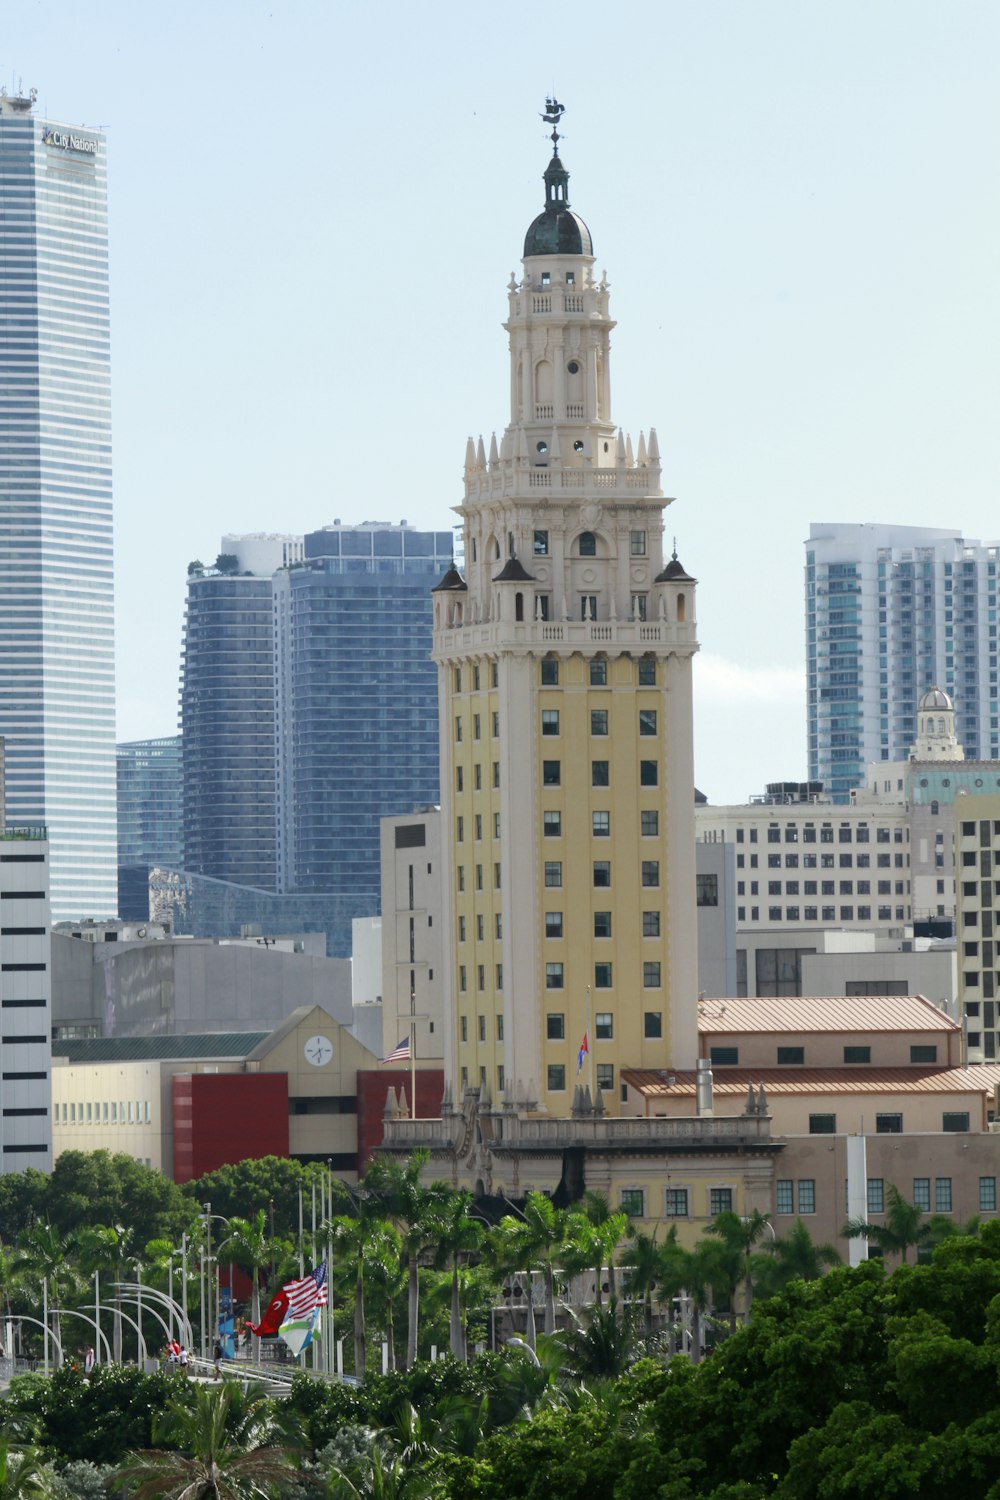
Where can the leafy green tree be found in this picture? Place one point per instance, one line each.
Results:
(543, 1231)
(207, 1460)
(385, 1279)
(96, 1187)
(737, 1236)
(642, 1261)
(415, 1211)
(96, 1420)
(271, 1183)
(22, 1200)
(904, 1228)
(44, 1257)
(605, 1344)
(109, 1250)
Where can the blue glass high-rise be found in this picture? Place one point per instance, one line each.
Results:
(57, 686)
(150, 818)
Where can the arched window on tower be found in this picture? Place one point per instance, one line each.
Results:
(681, 609)
(588, 544)
(518, 606)
(940, 726)
(934, 809)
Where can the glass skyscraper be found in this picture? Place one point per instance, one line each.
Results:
(892, 611)
(57, 685)
(150, 821)
(308, 713)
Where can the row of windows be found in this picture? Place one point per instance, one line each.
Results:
(555, 1025)
(821, 913)
(553, 874)
(828, 861)
(478, 875)
(602, 924)
(729, 1057)
(548, 670)
(823, 888)
(477, 827)
(825, 833)
(953, 1122)
(599, 773)
(600, 825)
(587, 543)
(477, 777)
(604, 1074)
(555, 976)
(477, 726)
(477, 678)
(598, 721)
(633, 1202)
(480, 929)
(117, 1112)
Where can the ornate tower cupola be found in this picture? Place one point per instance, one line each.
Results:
(936, 738)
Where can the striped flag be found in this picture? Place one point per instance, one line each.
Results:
(583, 1052)
(400, 1053)
(306, 1294)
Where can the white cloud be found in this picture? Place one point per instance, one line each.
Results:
(717, 680)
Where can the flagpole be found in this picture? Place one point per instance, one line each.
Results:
(413, 1064)
(590, 1050)
(302, 1264)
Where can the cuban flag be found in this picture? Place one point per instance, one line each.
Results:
(583, 1052)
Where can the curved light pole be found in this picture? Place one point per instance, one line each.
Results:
(23, 1318)
(69, 1312)
(141, 1342)
(174, 1309)
(137, 1302)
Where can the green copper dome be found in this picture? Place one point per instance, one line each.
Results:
(557, 230)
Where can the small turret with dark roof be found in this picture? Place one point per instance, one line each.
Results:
(452, 580)
(513, 572)
(557, 230)
(674, 572)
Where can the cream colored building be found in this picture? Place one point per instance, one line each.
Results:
(564, 658)
(412, 935)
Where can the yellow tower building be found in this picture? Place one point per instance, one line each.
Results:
(564, 658)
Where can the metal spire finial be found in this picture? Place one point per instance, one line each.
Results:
(552, 115)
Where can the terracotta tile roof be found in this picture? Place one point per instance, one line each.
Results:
(729, 1082)
(794, 1013)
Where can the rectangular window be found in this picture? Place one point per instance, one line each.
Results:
(599, 721)
(637, 543)
(499, 976)
(876, 1196)
(647, 773)
(707, 890)
(604, 1026)
(602, 924)
(599, 672)
(807, 1195)
(482, 1028)
(955, 1121)
(481, 985)
(599, 774)
(987, 1195)
(651, 924)
(556, 1077)
(923, 1054)
(541, 544)
(649, 823)
(550, 672)
(553, 976)
(922, 1193)
(600, 823)
(784, 1199)
(653, 1025)
(551, 824)
(647, 671)
(555, 1026)
(479, 877)
(602, 872)
(942, 1195)
(822, 1124)
(724, 1057)
(459, 829)
(496, 774)
(651, 976)
(496, 726)
(888, 1124)
(550, 721)
(553, 872)
(647, 721)
(459, 779)
(857, 1054)
(602, 976)
(791, 1056)
(650, 872)
(458, 727)
(477, 727)
(632, 1202)
(550, 772)
(553, 924)
(605, 1073)
(720, 1201)
(676, 1203)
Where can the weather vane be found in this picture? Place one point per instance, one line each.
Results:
(552, 115)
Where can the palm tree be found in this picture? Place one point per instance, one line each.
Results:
(642, 1260)
(458, 1235)
(595, 1232)
(349, 1236)
(385, 1278)
(415, 1211)
(903, 1228)
(44, 1255)
(210, 1461)
(108, 1250)
(22, 1473)
(795, 1258)
(248, 1246)
(738, 1235)
(605, 1345)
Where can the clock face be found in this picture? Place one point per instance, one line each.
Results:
(318, 1050)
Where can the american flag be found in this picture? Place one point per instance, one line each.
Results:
(400, 1053)
(307, 1293)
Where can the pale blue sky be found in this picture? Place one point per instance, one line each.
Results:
(315, 209)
